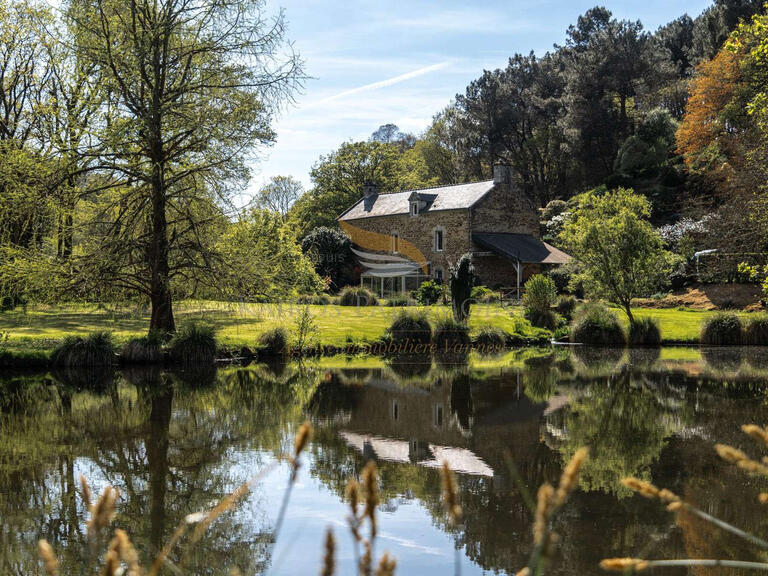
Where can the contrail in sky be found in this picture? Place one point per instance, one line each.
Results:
(387, 82)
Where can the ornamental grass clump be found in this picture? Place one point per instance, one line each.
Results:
(644, 332)
(275, 342)
(357, 296)
(539, 298)
(410, 328)
(451, 336)
(756, 330)
(721, 329)
(596, 325)
(97, 349)
(566, 306)
(489, 340)
(194, 343)
(145, 350)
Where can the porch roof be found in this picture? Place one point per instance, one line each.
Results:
(521, 247)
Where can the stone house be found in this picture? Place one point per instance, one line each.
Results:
(404, 238)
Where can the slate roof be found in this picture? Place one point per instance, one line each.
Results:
(526, 248)
(440, 198)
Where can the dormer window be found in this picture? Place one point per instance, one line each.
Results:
(414, 208)
(439, 239)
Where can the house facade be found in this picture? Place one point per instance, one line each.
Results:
(404, 238)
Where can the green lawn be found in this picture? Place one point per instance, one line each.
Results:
(676, 325)
(42, 326)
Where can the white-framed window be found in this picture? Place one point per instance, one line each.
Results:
(438, 274)
(437, 415)
(414, 208)
(439, 239)
(395, 242)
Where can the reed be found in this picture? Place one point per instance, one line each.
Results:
(676, 504)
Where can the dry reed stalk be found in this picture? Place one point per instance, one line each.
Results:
(329, 560)
(386, 566)
(623, 564)
(549, 502)
(86, 492)
(103, 511)
(371, 490)
(127, 553)
(740, 459)
(50, 562)
(758, 433)
(629, 565)
(450, 493)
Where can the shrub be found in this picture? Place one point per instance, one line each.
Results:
(145, 350)
(450, 336)
(194, 343)
(644, 332)
(540, 293)
(357, 296)
(485, 295)
(430, 292)
(721, 329)
(410, 327)
(314, 299)
(595, 324)
(756, 330)
(566, 305)
(401, 300)
(542, 318)
(490, 340)
(462, 278)
(305, 329)
(96, 349)
(274, 342)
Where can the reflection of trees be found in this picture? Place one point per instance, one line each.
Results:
(168, 447)
(625, 423)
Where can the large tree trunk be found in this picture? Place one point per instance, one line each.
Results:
(157, 444)
(160, 286)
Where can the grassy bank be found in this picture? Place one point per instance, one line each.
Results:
(42, 327)
(38, 329)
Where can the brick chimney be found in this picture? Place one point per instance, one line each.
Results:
(502, 172)
(370, 189)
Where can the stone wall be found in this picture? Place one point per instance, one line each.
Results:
(498, 272)
(419, 231)
(504, 209)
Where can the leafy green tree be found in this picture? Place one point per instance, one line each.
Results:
(329, 249)
(621, 255)
(261, 260)
(192, 89)
(338, 180)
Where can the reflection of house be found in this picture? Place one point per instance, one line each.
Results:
(469, 423)
(404, 237)
(417, 452)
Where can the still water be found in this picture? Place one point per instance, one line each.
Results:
(175, 442)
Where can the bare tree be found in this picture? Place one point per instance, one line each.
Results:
(280, 194)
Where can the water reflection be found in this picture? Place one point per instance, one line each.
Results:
(175, 442)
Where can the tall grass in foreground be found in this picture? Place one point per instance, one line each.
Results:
(675, 503)
(114, 554)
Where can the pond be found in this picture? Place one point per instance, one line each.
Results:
(175, 442)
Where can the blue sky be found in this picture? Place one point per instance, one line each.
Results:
(375, 62)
